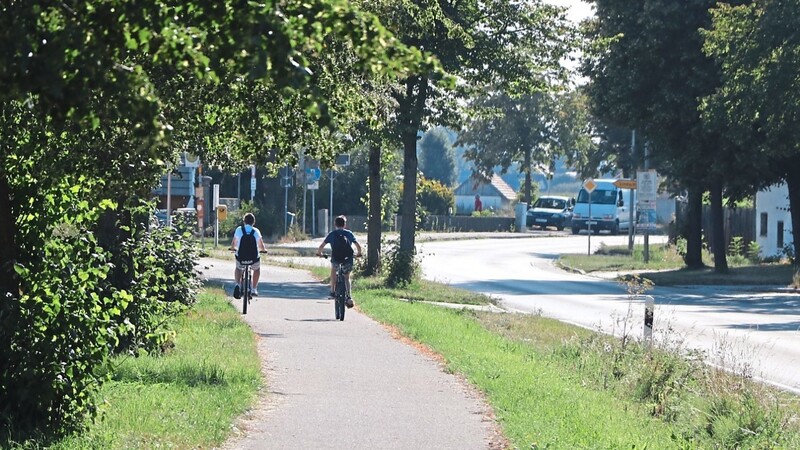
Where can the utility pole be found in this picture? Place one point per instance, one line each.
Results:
(647, 229)
(631, 204)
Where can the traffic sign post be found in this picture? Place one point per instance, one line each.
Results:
(286, 182)
(625, 183)
(649, 311)
(647, 188)
(589, 186)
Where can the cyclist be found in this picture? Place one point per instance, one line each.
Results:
(342, 241)
(247, 241)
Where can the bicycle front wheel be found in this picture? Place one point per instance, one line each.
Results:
(341, 296)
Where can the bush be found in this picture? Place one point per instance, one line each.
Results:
(435, 197)
(57, 330)
(402, 267)
(164, 284)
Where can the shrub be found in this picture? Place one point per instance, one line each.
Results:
(435, 197)
(57, 330)
(402, 267)
(754, 252)
(164, 284)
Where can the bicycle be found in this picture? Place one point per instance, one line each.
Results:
(341, 294)
(247, 276)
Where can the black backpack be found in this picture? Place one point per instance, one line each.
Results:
(248, 248)
(341, 247)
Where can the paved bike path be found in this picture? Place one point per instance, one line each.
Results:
(346, 385)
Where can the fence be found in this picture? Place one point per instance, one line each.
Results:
(737, 222)
(358, 224)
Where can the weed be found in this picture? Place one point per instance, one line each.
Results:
(402, 267)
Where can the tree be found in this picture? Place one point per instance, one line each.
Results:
(504, 44)
(437, 157)
(757, 104)
(649, 73)
(86, 118)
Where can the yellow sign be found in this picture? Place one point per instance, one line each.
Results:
(222, 212)
(625, 184)
(589, 185)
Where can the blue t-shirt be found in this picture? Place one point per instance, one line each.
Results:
(341, 241)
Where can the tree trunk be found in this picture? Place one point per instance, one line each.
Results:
(718, 228)
(8, 277)
(408, 227)
(694, 237)
(412, 110)
(374, 219)
(793, 186)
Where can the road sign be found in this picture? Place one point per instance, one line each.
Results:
(624, 183)
(589, 185)
(647, 187)
(222, 212)
(313, 174)
(286, 172)
(343, 160)
(286, 182)
(313, 186)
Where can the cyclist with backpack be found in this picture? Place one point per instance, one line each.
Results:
(247, 241)
(342, 241)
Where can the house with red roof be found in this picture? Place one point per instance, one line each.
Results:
(495, 195)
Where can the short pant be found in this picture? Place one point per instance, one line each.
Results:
(256, 265)
(347, 265)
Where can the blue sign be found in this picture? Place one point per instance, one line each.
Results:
(312, 175)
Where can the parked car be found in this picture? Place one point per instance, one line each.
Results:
(551, 211)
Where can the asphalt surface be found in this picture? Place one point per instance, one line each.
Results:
(346, 385)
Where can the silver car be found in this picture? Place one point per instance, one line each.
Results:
(551, 211)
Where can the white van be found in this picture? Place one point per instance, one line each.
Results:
(610, 208)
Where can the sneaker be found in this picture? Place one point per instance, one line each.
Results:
(332, 295)
(237, 292)
(254, 292)
(349, 302)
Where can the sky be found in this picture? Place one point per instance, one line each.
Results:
(578, 9)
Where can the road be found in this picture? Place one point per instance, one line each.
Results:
(750, 330)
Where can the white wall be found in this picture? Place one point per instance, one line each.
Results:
(774, 201)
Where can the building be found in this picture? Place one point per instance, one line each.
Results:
(773, 220)
(496, 195)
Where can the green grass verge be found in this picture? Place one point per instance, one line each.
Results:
(538, 405)
(613, 258)
(665, 267)
(555, 386)
(187, 398)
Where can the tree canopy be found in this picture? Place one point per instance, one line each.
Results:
(506, 45)
(756, 104)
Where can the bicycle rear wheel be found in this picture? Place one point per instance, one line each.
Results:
(341, 296)
(245, 290)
